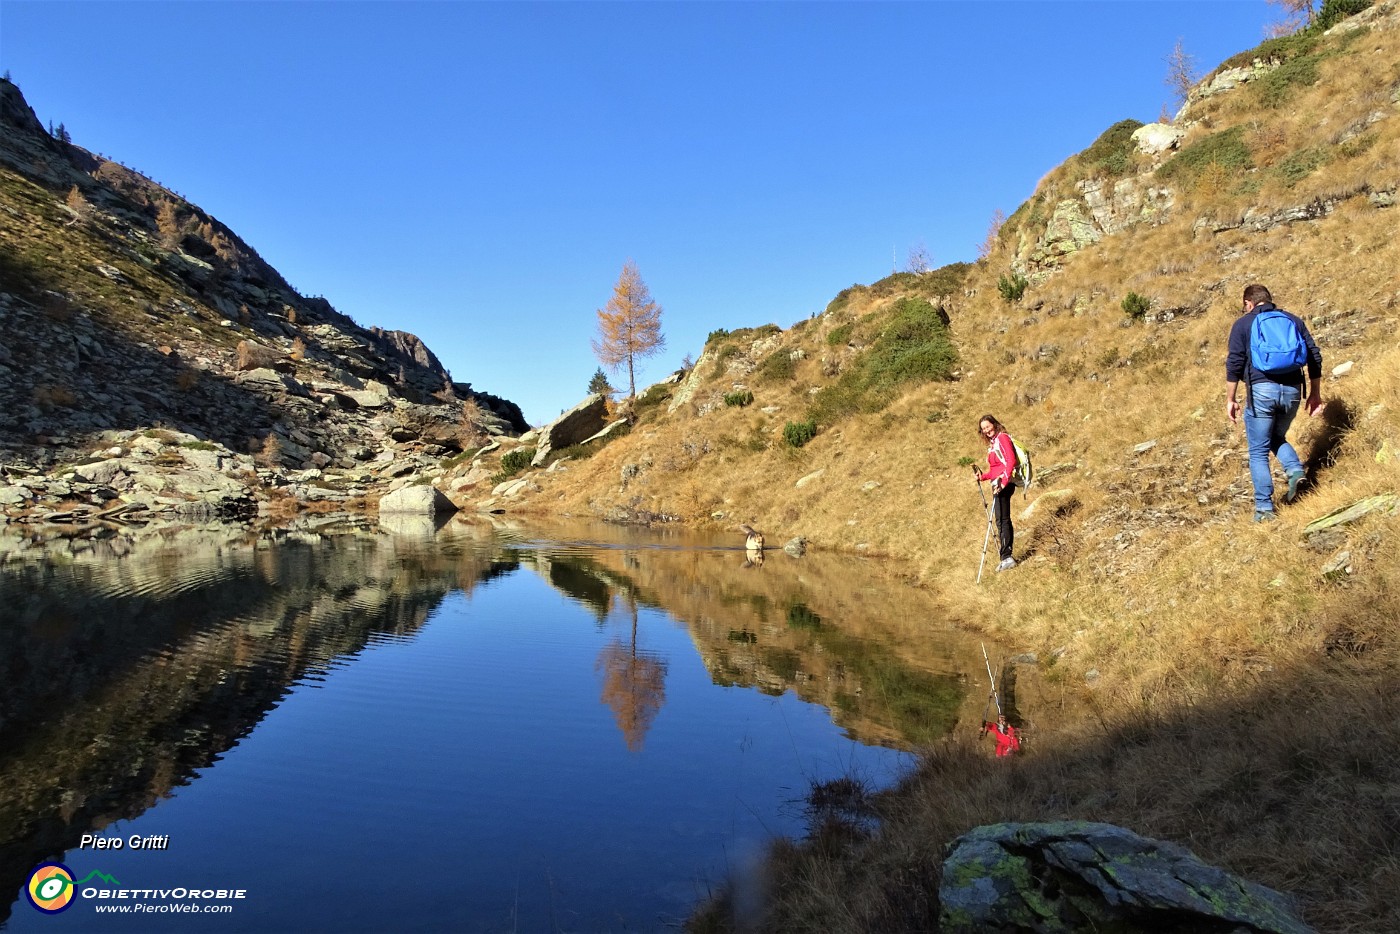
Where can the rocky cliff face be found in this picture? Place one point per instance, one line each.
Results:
(140, 329)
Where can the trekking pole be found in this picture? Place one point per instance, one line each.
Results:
(986, 539)
(993, 678)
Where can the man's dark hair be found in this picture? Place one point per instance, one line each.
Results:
(1257, 294)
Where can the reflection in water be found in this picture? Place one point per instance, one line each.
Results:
(634, 685)
(130, 664)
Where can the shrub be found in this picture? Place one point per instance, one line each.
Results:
(1111, 154)
(718, 334)
(1226, 149)
(1135, 306)
(840, 335)
(738, 399)
(796, 434)
(913, 347)
(842, 299)
(777, 366)
(1012, 287)
(652, 397)
(1301, 164)
(1276, 88)
(512, 462)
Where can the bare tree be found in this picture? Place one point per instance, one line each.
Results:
(1182, 74)
(993, 234)
(920, 260)
(629, 326)
(1297, 14)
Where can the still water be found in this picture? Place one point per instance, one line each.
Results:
(474, 728)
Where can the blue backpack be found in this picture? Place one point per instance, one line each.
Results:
(1275, 343)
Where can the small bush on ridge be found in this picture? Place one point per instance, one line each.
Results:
(796, 434)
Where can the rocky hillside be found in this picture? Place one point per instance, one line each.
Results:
(1094, 327)
(149, 345)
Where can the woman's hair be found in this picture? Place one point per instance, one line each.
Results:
(995, 424)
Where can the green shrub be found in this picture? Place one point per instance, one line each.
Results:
(738, 399)
(1226, 149)
(652, 397)
(1111, 154)
(1012, 287)
(1301, 164)
(913, 347)
(1136, 306)
(842, 299)
(796, 434)
(1276, 88)
(841, 334)
(777, 366)
(718, 334)
(1278, 49)
(512, 462)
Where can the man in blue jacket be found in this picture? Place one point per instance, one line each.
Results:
(1272, 396)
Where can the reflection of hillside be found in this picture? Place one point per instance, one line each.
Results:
(125, 667)
(875, 653)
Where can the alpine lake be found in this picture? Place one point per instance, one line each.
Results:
(476, 725)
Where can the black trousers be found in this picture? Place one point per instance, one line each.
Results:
(1002, 510)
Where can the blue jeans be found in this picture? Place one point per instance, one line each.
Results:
(1266, 422)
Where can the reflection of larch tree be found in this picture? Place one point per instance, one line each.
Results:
(634, 686)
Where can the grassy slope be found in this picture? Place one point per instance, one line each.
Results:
(1239, 702)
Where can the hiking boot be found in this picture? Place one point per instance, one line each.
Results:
(1006, 564)
(1294, 479)
(1265, 515)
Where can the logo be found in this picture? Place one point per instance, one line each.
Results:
(50, 888)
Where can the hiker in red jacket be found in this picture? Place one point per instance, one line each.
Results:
(1006, 735)
(1001, 462)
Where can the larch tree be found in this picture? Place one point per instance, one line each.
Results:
(1181, 71)
(629, 327)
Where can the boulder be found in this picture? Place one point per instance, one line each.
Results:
(578, 424)
(1153, 138)
(1079, 876)
(1386, 504)
(255, 356)
(422, 500)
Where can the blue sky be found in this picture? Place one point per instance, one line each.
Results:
(478, 173)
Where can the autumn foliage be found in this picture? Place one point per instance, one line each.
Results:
(629, 326)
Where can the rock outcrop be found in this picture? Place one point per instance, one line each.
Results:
(165, 324)
(1076, 876)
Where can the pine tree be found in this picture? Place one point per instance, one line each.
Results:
(629, 326)
(599, 383)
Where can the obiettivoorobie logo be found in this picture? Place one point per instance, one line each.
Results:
(51, 888)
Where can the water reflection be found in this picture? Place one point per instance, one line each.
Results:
(132, 662)
(634, 684)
